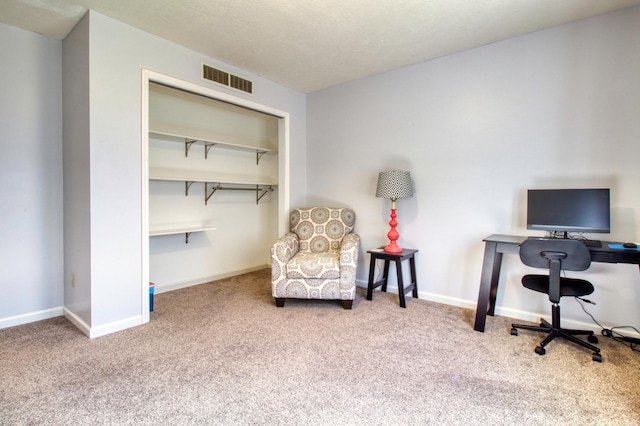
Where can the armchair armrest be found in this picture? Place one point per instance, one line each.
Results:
(281, 251)
(349, 251)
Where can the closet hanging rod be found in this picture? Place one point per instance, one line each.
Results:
(264, 188)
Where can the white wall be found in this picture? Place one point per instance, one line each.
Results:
(557, 108)
(117, 55)
(31, 175)
(77, 175)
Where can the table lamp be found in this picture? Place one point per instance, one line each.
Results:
(394, 184)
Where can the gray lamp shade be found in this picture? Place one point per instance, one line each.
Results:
(394, 184)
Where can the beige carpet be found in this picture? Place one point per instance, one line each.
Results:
(222, 353)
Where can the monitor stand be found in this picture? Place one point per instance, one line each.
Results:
(560, 235)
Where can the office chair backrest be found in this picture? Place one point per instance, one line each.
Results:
(573, 255)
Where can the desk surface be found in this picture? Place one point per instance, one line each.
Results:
(500, 238)
(605, 254)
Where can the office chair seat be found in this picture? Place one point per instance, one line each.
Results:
(568, 286)
(557, 255)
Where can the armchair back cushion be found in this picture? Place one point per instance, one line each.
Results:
(320, 229)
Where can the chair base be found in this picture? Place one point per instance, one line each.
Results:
(553, 332)
(346, 304)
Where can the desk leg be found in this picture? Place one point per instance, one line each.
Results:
(488, 284)
(403, 304)
(414, 278)
(495, 276)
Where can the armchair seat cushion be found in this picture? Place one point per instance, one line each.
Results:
(309, 265)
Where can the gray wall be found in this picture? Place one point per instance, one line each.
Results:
(31, 176)
(556, 108)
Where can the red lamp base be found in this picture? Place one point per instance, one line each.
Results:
(393, 248)
(393, 235)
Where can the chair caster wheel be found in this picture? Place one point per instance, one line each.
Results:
(514, 331)
(540, 350)
(592, 339)
(597, 357)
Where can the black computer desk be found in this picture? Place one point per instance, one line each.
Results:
(496, 245)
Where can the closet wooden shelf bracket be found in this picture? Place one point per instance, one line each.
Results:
(207, 148)
(211, 188)
(187, 185)
(188, 143)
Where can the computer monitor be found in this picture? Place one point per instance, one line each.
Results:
(569, 210)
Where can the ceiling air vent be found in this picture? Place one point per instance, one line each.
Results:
(215, 75)
(224, 78)
(241, 84)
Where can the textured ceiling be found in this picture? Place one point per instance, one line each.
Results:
(311, 45)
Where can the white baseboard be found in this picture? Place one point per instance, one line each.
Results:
(112, 327)
(162, 288)
(432, 297)
(30, 317)
(78, 322)
(102, 330)
(93, 332)
(566, 323)
(509, 312)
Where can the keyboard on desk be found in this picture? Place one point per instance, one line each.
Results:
(592, 243)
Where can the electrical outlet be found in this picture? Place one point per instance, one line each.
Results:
(73, 280)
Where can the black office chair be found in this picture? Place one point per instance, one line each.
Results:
(557, 255)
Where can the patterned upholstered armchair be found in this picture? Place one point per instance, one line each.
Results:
(318, 258)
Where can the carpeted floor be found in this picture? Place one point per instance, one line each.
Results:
(222, 353)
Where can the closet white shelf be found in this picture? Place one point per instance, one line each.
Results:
(186, 229)
(215, 182)
(192, 136)
(204, 176)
